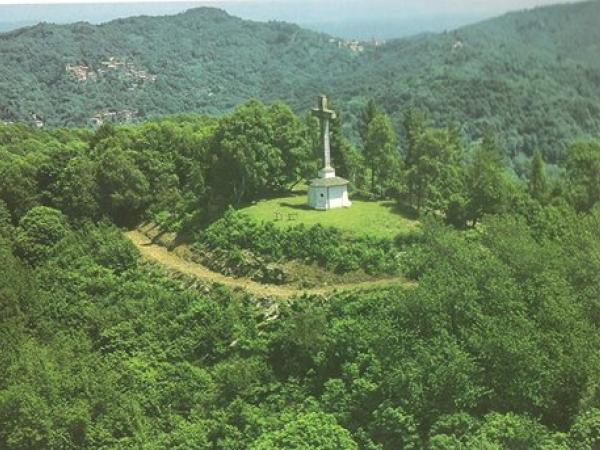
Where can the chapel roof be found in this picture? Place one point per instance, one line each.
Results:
(328, 182)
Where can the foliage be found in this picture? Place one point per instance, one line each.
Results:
(495, 347)
(538, 185)
(583, 172)
(176, 171)
(504, 74)
(487, 184)
(7, 230)
(433, 168)
(514, 432)
(585, 432)
(381, 154)
(310, 431)
(323, 245)
(256, 152)
(122, 188)
(38, 232)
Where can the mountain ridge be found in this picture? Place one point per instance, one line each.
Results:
(502, 74)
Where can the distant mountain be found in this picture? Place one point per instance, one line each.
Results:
(532, 76)
(350, 19)
(202, 60)
(12, 25)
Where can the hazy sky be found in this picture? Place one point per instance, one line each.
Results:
(344, 18)
(424, 5)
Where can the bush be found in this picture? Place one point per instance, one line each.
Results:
(585, 432)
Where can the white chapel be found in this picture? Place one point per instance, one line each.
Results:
(327, 191)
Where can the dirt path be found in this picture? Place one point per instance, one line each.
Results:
(170, 260)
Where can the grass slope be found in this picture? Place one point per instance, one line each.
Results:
(375, 219)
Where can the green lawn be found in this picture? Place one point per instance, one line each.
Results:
(378, 219)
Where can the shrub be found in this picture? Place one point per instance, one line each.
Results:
(317, 244)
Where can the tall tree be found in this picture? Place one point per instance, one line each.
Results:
(414, 124)
(243, 162)
(290, 138)
(255, 152)
(19, 187)
(488, 186)
(123, 188)
(381, 154)
(77, 189)
(435, 172)
(317, 431)
(7, 230)
(369, 112)
(583, 174)
(538, 186)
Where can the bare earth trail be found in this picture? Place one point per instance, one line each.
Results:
(159, 254)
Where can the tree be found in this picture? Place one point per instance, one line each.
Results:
(583, 175)
(19, 188)
(16, 298)
(434, 174)
(7, 229)
(381, 154)
(487, 185)
(309, 431)
(369, 112)
(244, 162)
(538, 187)
(393, 428)
(123, 188)
(585, 432)
(348, 162)
(77, 189)
(289, 138)
(451, 431)
(414, 124)
(516, 433)
(25, 418)
(38, 232)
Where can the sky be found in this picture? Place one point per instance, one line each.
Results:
(360, 19)
(436, 5)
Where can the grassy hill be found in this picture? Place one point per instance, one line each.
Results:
(532, 75)
(374, 219)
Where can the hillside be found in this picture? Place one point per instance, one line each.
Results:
(233, 318)
(531, 76)
(202, 60)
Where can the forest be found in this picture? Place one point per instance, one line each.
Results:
(492, 345)
(530, 76)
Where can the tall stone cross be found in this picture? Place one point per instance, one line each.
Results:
(325, 115)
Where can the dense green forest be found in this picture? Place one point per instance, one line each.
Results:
(494, 344)
(531, 77)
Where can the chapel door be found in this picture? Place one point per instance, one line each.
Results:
(321, 200)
